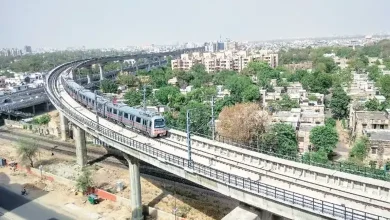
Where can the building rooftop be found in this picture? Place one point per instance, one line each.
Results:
(375, 115)
(383, 135)
(306, 127)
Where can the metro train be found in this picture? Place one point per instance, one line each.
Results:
(146, 122)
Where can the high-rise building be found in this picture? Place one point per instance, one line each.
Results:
(27, 49)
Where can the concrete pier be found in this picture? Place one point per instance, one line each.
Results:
(81, 145)
(135, 187)
(101, 71)
(89, 76)
(64, 127)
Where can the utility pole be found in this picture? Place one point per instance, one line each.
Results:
(96, 110)
(212, 119)
(188, 136)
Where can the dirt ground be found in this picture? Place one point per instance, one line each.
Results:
(191, 202)
(59, 196)
(343, 146)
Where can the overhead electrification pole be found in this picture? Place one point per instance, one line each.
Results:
(212, 119)
(144, 103)
(96, 110)
(188, 135)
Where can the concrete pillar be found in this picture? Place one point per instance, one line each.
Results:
(47, 106)
(266, 215)
(64, 127)
(33, 109)
(136, 67)
(81, 145)
(101, 71)
(135, 187)
(89, 78)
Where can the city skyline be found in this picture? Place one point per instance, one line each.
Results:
(121, 23)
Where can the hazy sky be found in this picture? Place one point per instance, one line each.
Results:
(116, 23)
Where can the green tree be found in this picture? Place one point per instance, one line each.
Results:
(324, 138)
(324, 64)
(160, 76)
(108, 86)
(200, 116)
(320, 156)
(84, 181)
(372, 105)
(360, 149)
(133, 97)
(221, 103)
(237, 85)
(373, 73)
(111, 66)
(167, 93)
(285, 104)
(199, 76)
(251, 94)
(330, 122)
(220, 78)
(27, 150)
(384, 84)
(339, 103)
(313, 97)
(42, 120)
(128, 80)
(280, 139)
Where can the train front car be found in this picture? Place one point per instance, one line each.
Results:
(158, 127)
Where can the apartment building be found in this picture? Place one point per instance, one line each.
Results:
(361, 88)
(379, 146)
(361, 121)
(227, 60)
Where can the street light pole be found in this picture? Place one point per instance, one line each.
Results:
(188, 135)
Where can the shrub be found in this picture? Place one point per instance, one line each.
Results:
(84, 181)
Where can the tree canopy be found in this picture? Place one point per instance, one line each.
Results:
(133, 97)
(242, 121)
(324, 138)
(108, 86)
(167, 93)
(280, 139)
(339, 103)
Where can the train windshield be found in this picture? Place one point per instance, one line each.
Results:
(159, 123)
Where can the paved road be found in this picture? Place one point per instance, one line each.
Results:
(20, 207)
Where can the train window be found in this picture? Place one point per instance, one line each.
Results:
(126, 115)
(132, 117)
(120, 113)
(150, 124)
(93, 102)
(138, 120)
(144, 122)
(114, 111)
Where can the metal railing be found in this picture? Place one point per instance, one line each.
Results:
(292, 198)
(339, 166)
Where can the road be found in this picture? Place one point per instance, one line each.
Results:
(16, 207)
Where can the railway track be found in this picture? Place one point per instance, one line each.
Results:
(94, 156)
